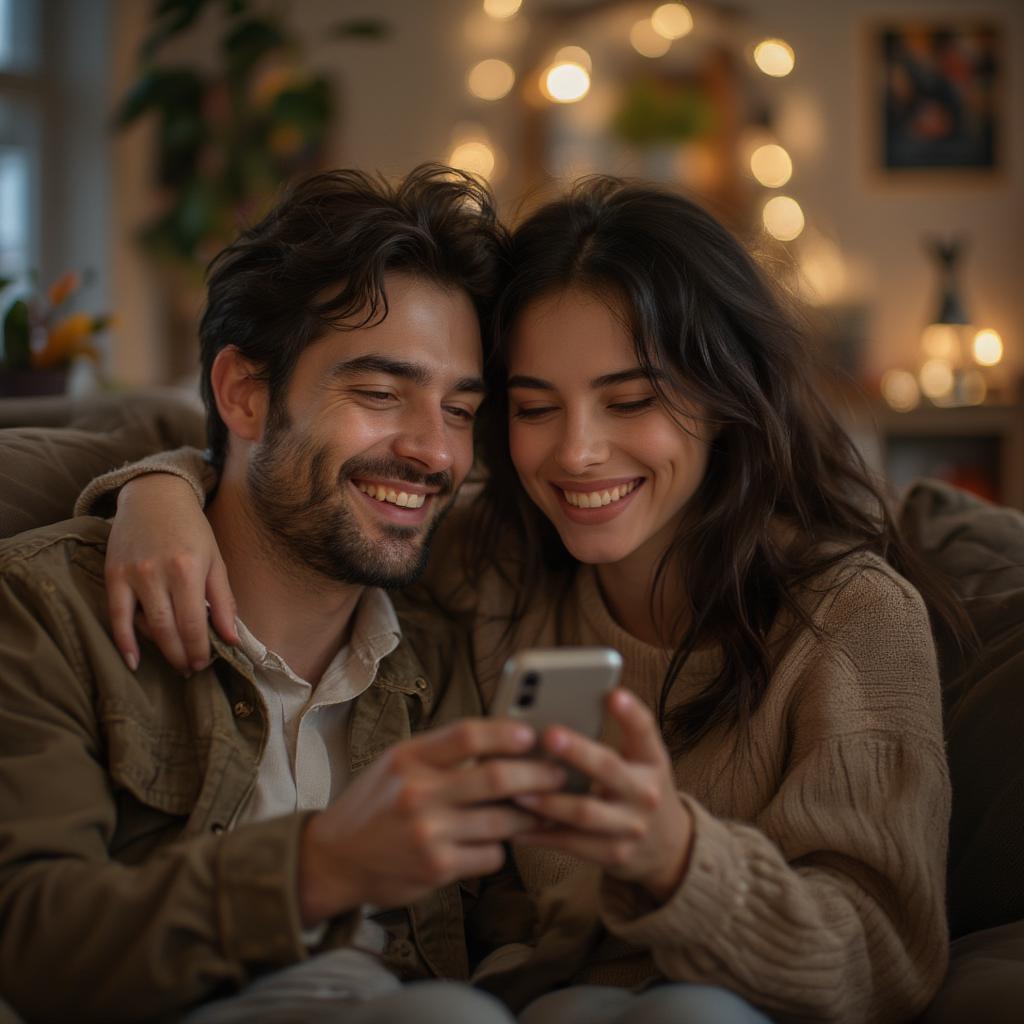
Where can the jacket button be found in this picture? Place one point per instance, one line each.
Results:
(402, 948)
(242, 709)
(420, 683)
(216, 828)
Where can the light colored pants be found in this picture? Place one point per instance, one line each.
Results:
(671, 1003)
(349, 987)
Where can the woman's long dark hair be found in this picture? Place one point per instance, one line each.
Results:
(786, 494)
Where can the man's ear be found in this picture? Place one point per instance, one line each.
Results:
(241, 398)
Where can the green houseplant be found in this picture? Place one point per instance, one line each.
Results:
(230, 134)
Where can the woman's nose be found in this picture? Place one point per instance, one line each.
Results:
(581, 447)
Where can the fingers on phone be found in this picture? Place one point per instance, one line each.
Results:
(584, 813)
(472, 738)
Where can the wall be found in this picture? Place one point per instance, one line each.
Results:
(401, 97)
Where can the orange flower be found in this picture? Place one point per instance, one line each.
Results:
(65, 285)
(67, 340)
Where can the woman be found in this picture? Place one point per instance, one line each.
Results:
(665, 479)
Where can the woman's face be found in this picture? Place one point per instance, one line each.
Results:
(595, 449)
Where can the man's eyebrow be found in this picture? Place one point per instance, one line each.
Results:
(605, 381)
(414, 372)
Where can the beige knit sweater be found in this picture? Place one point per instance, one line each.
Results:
(815, 888)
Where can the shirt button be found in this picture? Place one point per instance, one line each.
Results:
(242, 709)
(216, 828)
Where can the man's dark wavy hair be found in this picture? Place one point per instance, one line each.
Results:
(713, 335)
(317, 262)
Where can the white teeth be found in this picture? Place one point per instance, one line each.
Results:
(401, 498)
(596, 499)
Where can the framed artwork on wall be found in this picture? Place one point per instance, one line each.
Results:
(937, 96)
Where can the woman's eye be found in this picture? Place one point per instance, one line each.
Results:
(533, 412)
(636, 406)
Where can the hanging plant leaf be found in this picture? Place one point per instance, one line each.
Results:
(247, 43)
(172, 17)
(361, 28)
(161, 89)
(17, 337)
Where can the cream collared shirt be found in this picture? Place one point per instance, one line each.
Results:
(305, 762)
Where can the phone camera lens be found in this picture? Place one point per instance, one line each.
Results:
(530, 680)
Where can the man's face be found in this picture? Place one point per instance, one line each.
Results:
(358, 464)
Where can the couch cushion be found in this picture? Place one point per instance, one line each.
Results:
(981, 548)
(45, 467)
(985, 981)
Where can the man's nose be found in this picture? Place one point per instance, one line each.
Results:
(424, 439)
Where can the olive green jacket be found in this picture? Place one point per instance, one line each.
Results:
(125, 893)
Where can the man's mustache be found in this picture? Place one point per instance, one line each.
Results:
(395, 469)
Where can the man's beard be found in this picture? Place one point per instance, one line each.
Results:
(308, 511)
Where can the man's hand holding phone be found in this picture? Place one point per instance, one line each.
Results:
(431, 810)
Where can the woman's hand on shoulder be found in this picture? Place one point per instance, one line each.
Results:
(163, 567)
(632, 823)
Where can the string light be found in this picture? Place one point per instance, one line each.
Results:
(647, 41)
(673, 21)
(900, 390)
(936, 377)
(565, 82)
(491, 79)
(783, 218)
(987, 347)
(774, 57)
(771, 165)
(473, 157)
(502, 9)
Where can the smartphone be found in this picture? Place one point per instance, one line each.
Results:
(559, 686)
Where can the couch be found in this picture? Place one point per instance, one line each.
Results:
(49, 448)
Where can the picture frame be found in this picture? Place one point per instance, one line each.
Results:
(938, 97)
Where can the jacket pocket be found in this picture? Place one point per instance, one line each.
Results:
(162, 768)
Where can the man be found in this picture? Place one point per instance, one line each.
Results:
(166, 842)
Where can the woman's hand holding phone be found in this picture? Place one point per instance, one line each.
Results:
(632, 822)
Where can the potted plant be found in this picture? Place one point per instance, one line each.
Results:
(41, 340)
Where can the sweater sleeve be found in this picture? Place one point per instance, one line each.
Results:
(100, 496)
(830, 905)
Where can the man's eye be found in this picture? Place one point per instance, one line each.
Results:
(461, 412)
(376, 396)
(638, 406)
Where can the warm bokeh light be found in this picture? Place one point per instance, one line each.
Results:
(941, 341)
(574, 55)
(474, 157)
(774, 57)
(502, 8)
(491, 79)
(566, 82)
(771, 165)
(900, 390)
(646, 41)
(783, 218)
(673, 21)
(987, 347)
(936, 377)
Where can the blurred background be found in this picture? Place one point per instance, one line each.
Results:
(871, 155)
